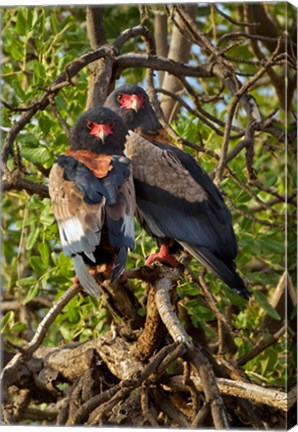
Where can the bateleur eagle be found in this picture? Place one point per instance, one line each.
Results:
(93, 196)
(177, 202)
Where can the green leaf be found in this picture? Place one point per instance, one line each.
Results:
(39, 71)
(32, 293)
(44, 251)
(189, 289)
(45, 123)
(246, 224)
(54, 23)
(262, 300)
(235, 298)
(243, 197)
(257, 377)
(9, 316)
(47, 219)
(272, 245)
(198, 311)
(72, 310)
(29, 19)
(271, 181)
(272, 360)
(18, 89)
(142, 311)
(35, 17)
(86, 335)
(17, 53)
(63, 261)
(36, 155)
(18, 327)
(54, 257)
(293, 314)
(29, 138)
(61, 103)
(65, 332)
(37, 264)
(32, 238)
(264, 364)
(25, 282)
(21, 22)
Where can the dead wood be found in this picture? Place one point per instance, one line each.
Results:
(106, 384)
(154, 331)
(245, 390)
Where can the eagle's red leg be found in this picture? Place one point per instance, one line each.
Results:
(163, 256)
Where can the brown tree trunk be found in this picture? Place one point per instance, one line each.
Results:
(161, 39)
(179, 51)
(101, 70)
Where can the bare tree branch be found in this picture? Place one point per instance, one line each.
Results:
(125, 61)
(238, 389)
(19, 183)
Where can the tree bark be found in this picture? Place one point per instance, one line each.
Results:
(101, 70)
(161, 39)
(179, 51)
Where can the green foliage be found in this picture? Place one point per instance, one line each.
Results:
(37, 44)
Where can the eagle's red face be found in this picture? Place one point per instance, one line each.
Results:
(100, 130)
(131, 101)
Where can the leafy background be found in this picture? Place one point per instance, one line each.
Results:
(37, 44)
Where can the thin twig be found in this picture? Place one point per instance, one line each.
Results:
(260, 347)
(245, 35)
(240, 92)
(269, 190)
(232, 20)
(169, 358)
(196, 113)
(170, 409)
(193, 31)
(250, 216)
(271, 203)
(213, 306)
(52, 314)
(130, 33)
(246, 188)
(125, 61)
(201, 415)
(145, 408)
(204, 115)
(15, 109)
(59, 117)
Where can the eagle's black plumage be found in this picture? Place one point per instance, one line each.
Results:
(176, 199)
(93, 196)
